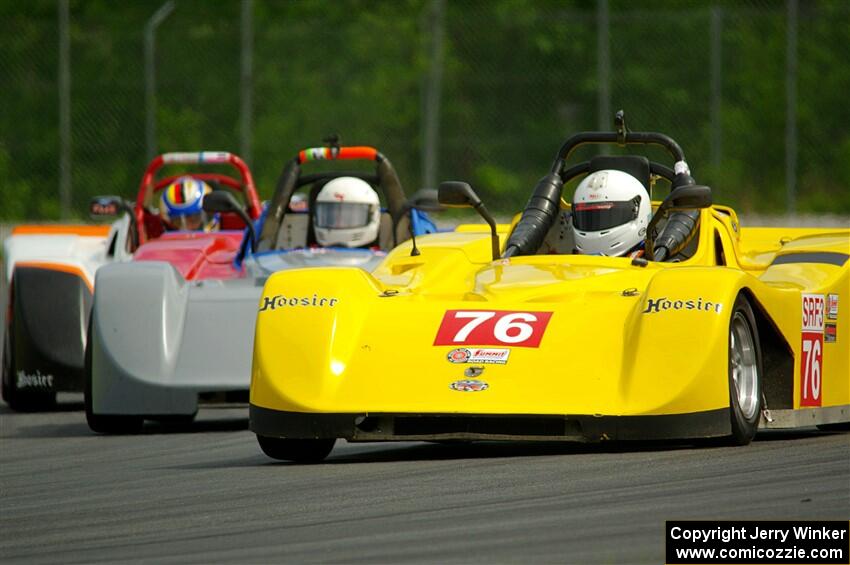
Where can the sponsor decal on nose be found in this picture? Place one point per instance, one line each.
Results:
(479, 355)
(458, 355)
(469, 385)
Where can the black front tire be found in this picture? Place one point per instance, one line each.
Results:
(744, 418)
(102, 423)
(177, 420)
(837, 427)
(114, 425)
(298, 450)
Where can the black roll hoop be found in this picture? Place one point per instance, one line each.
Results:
(542, 208)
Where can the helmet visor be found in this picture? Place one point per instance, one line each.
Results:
(342, 215)
(598, 216)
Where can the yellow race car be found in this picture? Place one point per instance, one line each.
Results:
(507, 334)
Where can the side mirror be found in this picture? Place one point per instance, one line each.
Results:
(458, 194)
(220, 202)
(109, 206)
(101, 206)
(691, 197)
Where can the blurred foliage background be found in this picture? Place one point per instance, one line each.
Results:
(514, 78)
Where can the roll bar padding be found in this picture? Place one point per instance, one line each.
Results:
(537, 217)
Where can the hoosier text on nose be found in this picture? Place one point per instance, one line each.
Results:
(281, 301)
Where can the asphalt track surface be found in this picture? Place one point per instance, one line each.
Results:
(206, 494)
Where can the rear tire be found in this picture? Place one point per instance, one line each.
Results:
(299, 450)
(17, 399)
(101, 423)
(745, 370)
(6, 377)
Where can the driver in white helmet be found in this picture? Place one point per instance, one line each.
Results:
(611, 210)
(347, 214)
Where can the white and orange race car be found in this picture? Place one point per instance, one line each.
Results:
(51, 269)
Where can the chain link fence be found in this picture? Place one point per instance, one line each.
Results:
(484, 91)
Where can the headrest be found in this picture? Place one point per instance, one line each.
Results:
(635, 165)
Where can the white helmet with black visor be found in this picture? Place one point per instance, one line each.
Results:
(611, 210)
(347, 213)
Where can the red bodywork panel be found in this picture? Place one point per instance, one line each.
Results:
(196, 255)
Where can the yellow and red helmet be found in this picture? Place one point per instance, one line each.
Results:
(182, 202)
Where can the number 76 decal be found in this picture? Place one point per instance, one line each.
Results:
(492, 327)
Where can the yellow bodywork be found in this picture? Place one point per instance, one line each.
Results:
(623, 340)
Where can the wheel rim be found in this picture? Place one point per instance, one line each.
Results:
(742, 357)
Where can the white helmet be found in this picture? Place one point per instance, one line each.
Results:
(347, 213)
(611, 210)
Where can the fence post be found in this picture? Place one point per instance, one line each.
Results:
(247, 83)
(791, 107)
(64, 111)
(716, 90)
(433, 87)
(150, 76)
(603, 66)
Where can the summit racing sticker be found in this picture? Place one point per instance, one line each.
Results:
(811, 348)
(479, 355)
(281, 301)
(492, 327)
